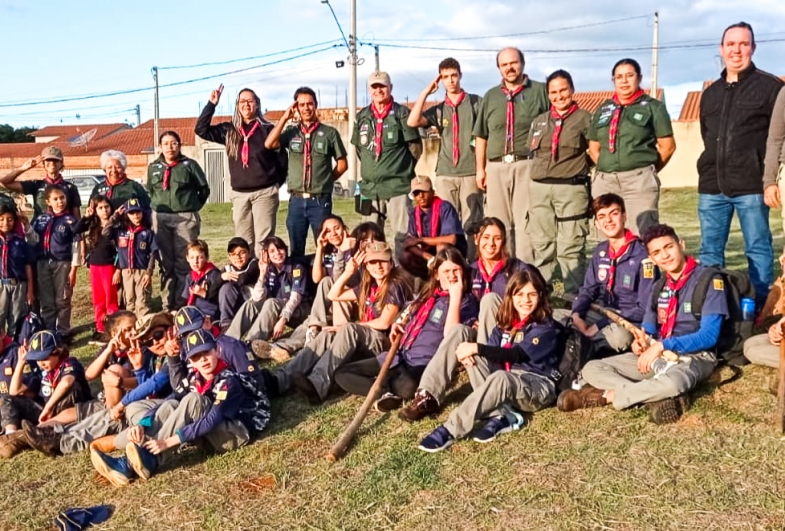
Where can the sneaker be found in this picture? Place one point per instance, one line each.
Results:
(439, 439)
(12, 444)
(422, 405)
(668, 410)
(97, 339)
(142, 461)
(388, 402)
(498, 426)
(306, 389)
(586, 397)
(46, 441)
(115, 469)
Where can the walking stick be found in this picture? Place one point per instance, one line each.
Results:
(781, 388)
(342, 444)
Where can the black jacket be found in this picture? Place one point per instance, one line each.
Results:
(266, 167)
(734, 119)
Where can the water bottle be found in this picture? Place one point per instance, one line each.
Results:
(659, 366)
(748, 309)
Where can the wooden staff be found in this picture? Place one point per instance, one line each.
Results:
(669, 355)
(781, 388)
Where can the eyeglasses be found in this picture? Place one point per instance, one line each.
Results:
(249, 102)
(239, 254)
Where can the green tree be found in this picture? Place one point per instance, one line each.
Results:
(9, 135)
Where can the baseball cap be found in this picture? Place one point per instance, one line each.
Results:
(42, 344)
(188, 319)
(422, 183)
(236, 242)
(199, 341)
(377, 251)
(133, 205)
(379, 78)
(52, 153)
(145, 324)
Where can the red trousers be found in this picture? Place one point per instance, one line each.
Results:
(104, 293)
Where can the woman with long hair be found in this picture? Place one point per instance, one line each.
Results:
(516, 370)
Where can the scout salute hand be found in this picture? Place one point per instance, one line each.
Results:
(434, 86)
(215, 96)
(289, 113)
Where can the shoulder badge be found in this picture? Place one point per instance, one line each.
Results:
(648, 268)
(8, 371)
(296, 273)
(718, 284)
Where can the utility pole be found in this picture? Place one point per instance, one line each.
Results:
(376, 55)
(138, 115)
(353, 89)
(155, 111)
(654, 54)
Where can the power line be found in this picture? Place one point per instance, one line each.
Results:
(214, 63)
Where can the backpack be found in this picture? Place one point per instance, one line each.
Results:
(28, 326)
(474, 99)
(578, 349)
(735, 329)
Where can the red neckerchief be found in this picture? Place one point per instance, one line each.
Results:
(456, 127)
(436, 208)
(132, 232)
(7, 340)
(308, 165)
(517, 326)
(614, 256)
(244, 150)
(488, 277)
(111, 188)
(370, 302)
(201, 385)
(215, 330)
(197, 277)
(509, 138)
(559, 121)
(673, 301)
(168, 172)
(414, 327)
(380, 116)
(54, 182)
(48, 229)
(4, 252)
(613, 130)
(54, 375)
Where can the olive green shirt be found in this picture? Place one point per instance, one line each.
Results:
(391, 175)
(326, 145)
(640, 125)
(572, 158)
(492, 121)
(442, 117)
(187, 191)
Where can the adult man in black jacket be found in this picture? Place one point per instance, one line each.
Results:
(735, 112)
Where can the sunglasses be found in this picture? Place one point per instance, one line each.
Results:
(157, 335)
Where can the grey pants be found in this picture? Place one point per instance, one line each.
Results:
(323, 307)
(54, 295)
(173, 232)
(321, 357)
(640, 190)
(172, 415)
(612, 336)
(463, 194)
(396, 209)
(254, 214)
(78, 436)
(489, 307)
(13, 306)
(495, 391)
(507, 196)
(137, 298)
(443, 367)
(559, 242)
(256, 319)
(620, 373)
(759, 350)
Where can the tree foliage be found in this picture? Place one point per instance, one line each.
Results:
(10, 135)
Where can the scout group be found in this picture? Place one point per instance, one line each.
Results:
(454, 289)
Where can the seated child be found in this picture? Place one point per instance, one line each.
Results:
(239, 277)
(203, 285)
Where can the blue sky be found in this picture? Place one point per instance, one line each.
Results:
(57, 50)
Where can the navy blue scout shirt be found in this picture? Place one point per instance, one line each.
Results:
(432, 332)
(291, 277)
(632, 283)
(715, 303)
(536, 348)
(56, 234)
(36, 189)
(15, 255)
(449, 224)
(137, 243)
(329, 262)
(69, 366)
(396, 294)
(208, 304)
(497, 284)
(31, 374)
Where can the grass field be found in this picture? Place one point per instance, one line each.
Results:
(720, 467)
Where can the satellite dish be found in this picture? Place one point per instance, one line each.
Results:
(82, 139)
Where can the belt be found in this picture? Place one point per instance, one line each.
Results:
(305, 195)
(509, 159)
(581, 180)
(8, 282)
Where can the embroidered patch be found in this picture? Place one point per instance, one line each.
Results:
(220, 396)
(437, 315)
(718, 284)
(627, 281)
(687, 307)
(296, 273)
(249, 355)
(445, 122)
(8, 371)
(181, 319)
(648, 270)
(3, 388)
(602, 274)
(519, 337)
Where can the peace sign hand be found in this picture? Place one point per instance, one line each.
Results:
(215, 95)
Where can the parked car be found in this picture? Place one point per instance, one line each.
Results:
(85, 185)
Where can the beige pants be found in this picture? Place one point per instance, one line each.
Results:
(254, 214)
(396, 211)
(463, 194)
(137, 298)
(640, 190)
(781, 186)
(507, 197)
(759, 350)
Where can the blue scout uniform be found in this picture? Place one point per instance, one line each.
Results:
(137, 243)
(69, 366)
(152, 379)
(15, 255)
(396, 295)
(291, 277)
(449, 224)
(31, 375)
(498, 284)
(330, 261)
(211, 277)
(36, 187)
(56, 234)
(633, 280)
(535, 349)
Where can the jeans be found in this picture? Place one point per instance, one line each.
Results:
(302, 214)
(715, 212)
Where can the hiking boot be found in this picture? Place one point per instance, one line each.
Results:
(438, 440)
(388, 402)
(44, 440)
(668, 410)
(586, 397)
(264, 350)
(498, 426)
(12, 444)
(306, 389)
(117, 470)
(279, 354)
(97, 339)
(142, 461)
(422, 405)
